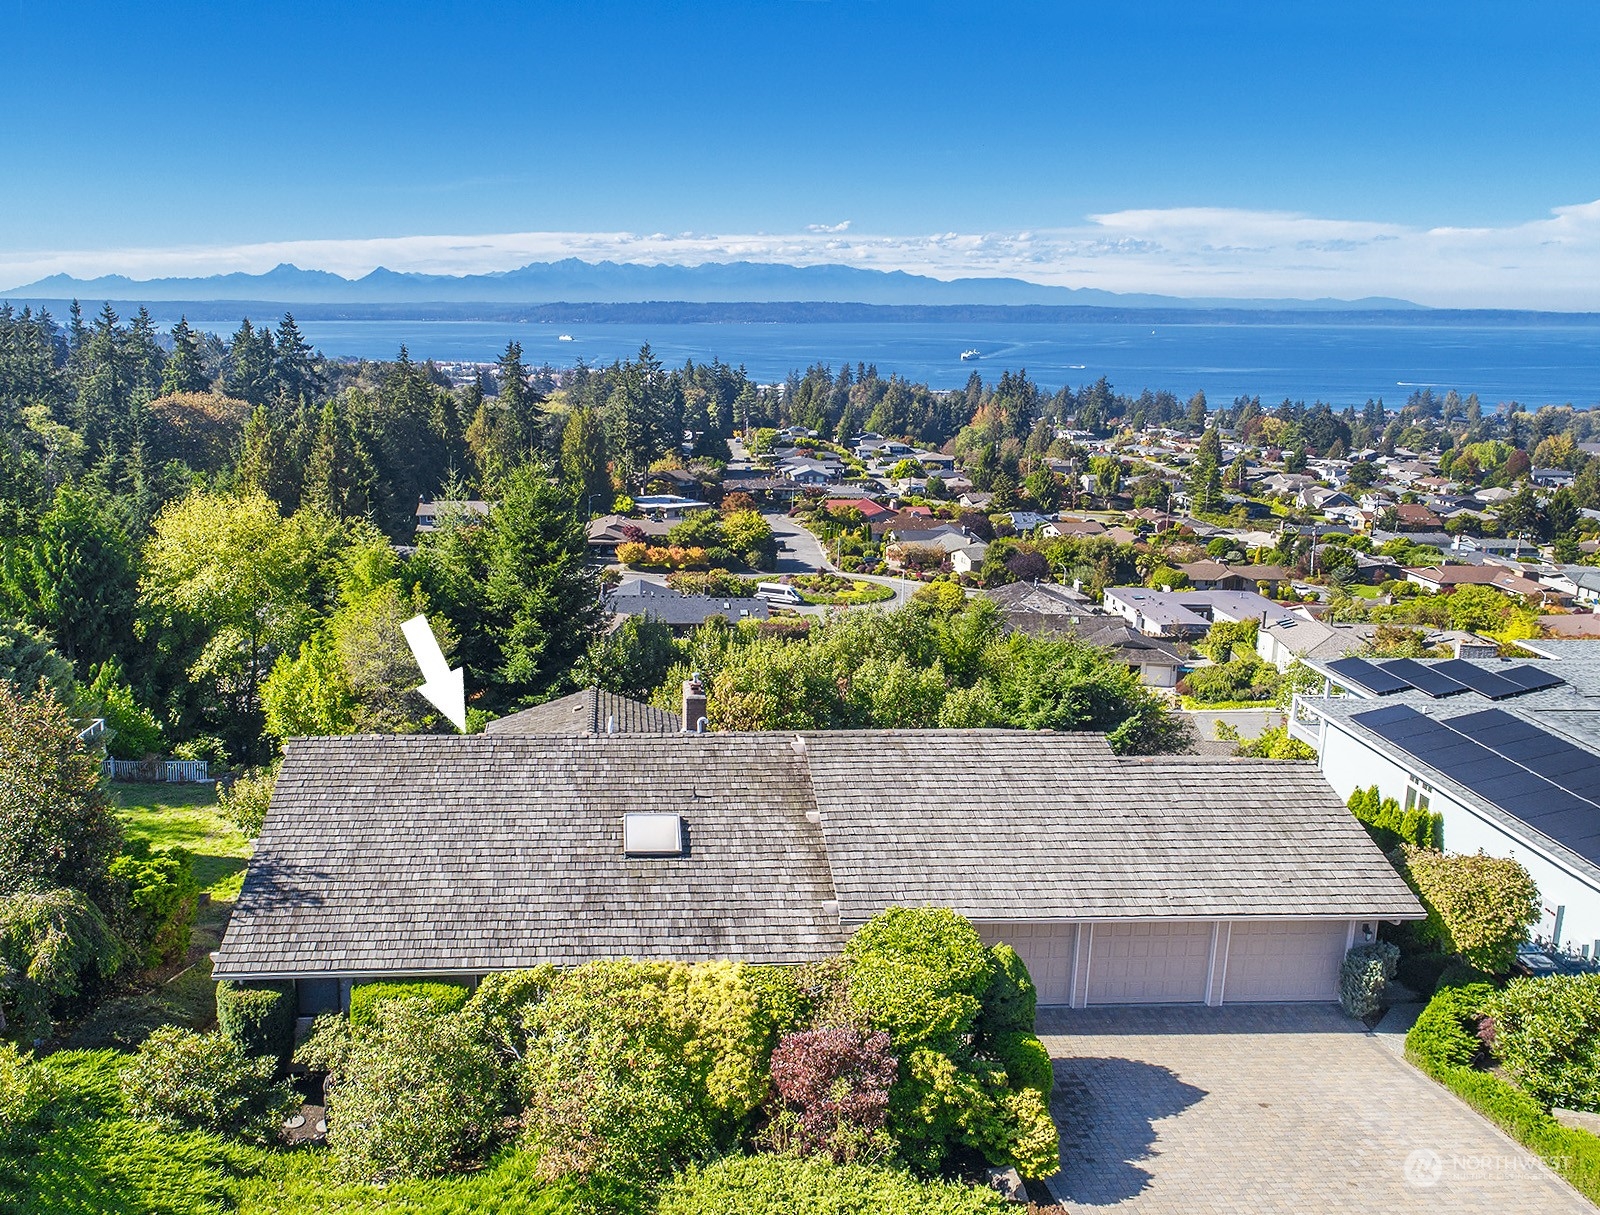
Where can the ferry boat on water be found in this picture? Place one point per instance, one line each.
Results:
(968, 355)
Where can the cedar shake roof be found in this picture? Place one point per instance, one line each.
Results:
(1055, 827)
(414, 854)
(591, 711)
(447, 854)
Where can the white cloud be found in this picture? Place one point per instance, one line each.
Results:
(1551, 262)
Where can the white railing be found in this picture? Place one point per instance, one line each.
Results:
(165, 771)
(1306, 722)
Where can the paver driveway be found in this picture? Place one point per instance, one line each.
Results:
(1270, 1108)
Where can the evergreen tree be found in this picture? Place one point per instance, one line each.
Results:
(1205, 475)
(583, 460)
(249, 367)
(185, 369)
(292, 366)
(145, 358)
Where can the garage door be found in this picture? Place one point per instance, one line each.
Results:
(1284, 960)
(1046, 950)
(1155, 963)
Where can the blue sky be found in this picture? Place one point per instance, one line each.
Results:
(1169, 147)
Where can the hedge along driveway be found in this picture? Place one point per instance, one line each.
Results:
(1270, 1108)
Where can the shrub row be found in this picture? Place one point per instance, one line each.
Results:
(784, 1185)
(1443, 1044)
(1390, 827)
(365, 997)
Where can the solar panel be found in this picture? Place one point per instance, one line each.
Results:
(1362, 676)
(1532, 679)
(1424, 679)
(1563, 813)
(1484, 683)
(1555, 759)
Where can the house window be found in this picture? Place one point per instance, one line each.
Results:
(1417, 794)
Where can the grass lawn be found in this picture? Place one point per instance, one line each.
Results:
(186, 816)
(95, 1159)
(181, 994)
(1363, 591)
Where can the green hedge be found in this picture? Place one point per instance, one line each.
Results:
(1443, 1047)
(259, 1017)
(1026, 1061)
(445, 997)
(786, 1185)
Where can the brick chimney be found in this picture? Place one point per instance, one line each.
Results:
(694, 705)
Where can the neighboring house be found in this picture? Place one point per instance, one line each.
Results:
(429, 513)
(1024, 521)
(1586, 578)
(668, 506)
(1184, 613)
(1448, 577)
(948, 540)
(1511, 761)
(1415, 517)
(869, 509)
(1149, 880)
(608, 531)
(681, 613)
(1295, 635)
(591, 711)
(1216, 576)
(1063, 526)
(809, 472)
(1040, 607)
(1551, 478)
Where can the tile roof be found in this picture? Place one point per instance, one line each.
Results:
(591, 711)
(448, 854)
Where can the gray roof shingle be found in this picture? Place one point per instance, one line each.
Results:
(591, 711)
(414, 854)
(1013, 826)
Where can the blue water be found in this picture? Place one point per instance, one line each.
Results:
(1343, 363)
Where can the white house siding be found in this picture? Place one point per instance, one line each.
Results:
(1349, 764)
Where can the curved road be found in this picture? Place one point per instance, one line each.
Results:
(800, 552)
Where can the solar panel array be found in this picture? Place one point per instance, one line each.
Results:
(1545, 781)
(1440, 679)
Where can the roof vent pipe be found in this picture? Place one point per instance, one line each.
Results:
(611, 723)
(700, 726)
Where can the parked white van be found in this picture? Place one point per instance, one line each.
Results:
(778, 592)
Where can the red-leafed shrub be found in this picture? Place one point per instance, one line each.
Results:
(834, 1086)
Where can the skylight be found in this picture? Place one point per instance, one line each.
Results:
(652, 834)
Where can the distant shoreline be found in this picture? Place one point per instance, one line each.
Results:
(676, 312)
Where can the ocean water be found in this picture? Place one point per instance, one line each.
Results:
(1342, 362)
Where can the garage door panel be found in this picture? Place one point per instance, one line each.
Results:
(1045, 949)
(1154, 963)
(1284, 960)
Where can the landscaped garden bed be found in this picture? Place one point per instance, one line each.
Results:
(887, 1080)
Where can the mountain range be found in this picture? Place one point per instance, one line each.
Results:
(573, 281)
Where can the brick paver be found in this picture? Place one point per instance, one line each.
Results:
(1276, 1108)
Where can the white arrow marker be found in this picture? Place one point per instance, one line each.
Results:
(443, 686)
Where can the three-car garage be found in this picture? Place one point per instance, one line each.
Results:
(1162, 961)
